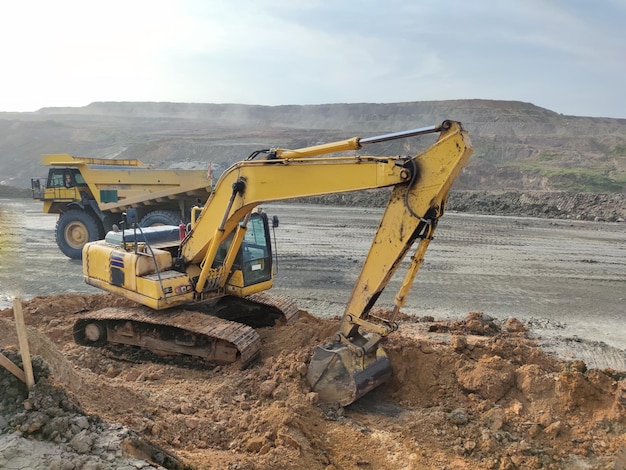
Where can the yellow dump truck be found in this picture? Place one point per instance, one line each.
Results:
(91, 194)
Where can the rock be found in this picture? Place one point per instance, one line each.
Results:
(34, 422)
(302, 369)
(81, 421)
(313, 398)
(488, 443)
(155, 430)
(132, 375)
(57, 426)
(490, 377)
(513, 325)
(494, 418)
(111, 372)
(82, 442)
(458, 417)
(515, 407)
(287, 440)
(554, 429)
(458, 343)
(192, 423)
(187, 409)
(255, 444)
(480, 324)
(267, 387)
(469, 445)
(534, 430)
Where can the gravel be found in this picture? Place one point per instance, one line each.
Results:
(45, 429)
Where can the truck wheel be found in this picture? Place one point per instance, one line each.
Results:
(154, 218)
(74, 229)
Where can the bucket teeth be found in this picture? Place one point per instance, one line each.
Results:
(337, 375)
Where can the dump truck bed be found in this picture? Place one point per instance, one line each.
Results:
(117, 185)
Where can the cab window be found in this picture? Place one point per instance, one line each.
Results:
(56, 178)
(255, 256)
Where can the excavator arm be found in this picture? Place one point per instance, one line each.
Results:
(354, 363)
(411, 215)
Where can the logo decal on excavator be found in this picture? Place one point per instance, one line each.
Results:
(117, 270)
(117, 261)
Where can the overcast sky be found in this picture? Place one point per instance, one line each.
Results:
(565, 55)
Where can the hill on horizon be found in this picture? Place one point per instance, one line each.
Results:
(517, 146)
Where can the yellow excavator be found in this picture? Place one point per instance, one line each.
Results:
(203, 289)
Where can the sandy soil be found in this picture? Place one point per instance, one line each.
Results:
(468, 391)
(467, 394)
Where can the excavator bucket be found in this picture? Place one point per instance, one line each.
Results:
(337, 375)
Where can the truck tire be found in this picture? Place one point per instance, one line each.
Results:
(75, 228)
(154, 218)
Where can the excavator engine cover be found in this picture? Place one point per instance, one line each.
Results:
(337, 375)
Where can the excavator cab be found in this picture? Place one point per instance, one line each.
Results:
(256, 251)
(254, 258)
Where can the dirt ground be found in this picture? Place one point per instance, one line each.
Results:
(467, 392)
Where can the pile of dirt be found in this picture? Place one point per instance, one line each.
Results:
(471, 394)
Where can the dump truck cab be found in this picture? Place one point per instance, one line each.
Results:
(62, 185)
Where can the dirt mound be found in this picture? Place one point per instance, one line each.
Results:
(470, 394)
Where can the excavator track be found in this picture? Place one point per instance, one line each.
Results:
(193, 333)
(256, 310)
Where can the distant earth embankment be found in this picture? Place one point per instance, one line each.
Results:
(526, 158)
